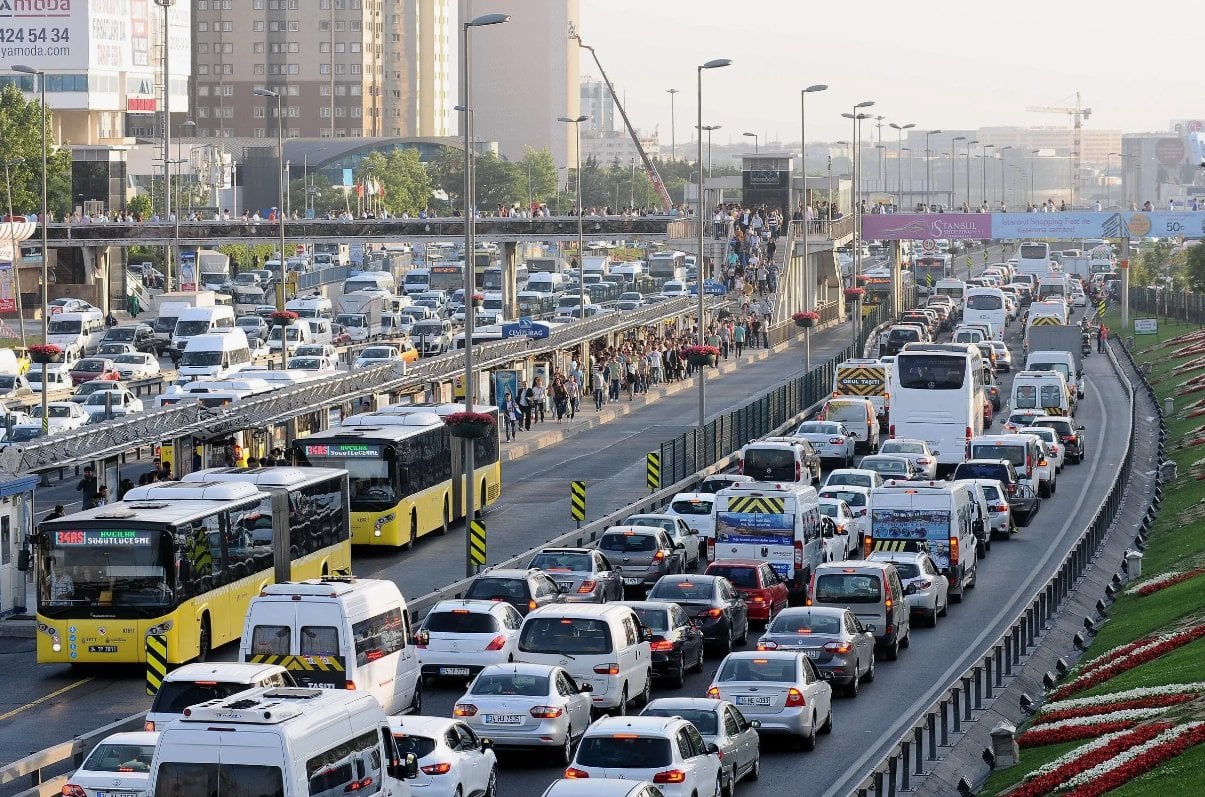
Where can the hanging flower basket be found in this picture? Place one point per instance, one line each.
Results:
(701, 355)
(805, 319)
(854, 294)
(478, 299)
(44, 353)
(470, 425)
(284, 318)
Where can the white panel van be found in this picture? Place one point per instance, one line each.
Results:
(195, 321)
(76, 333)
(214, 356)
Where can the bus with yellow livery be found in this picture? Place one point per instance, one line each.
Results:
(182, 560)
(405, 470)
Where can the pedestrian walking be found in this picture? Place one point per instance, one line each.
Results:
(510, 415)
(598, 379)
(738, 337)
(1102, 335)
(539, 395)
(574, 389)
(88, 487)
(524, 401)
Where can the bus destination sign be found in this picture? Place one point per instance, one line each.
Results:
(107, 538)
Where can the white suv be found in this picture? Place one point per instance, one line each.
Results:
(667, 751)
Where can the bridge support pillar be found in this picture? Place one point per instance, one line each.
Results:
(510, 301)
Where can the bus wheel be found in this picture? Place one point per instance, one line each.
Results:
(446, 522)
(408, 544)
(481, 500)
(205, 639)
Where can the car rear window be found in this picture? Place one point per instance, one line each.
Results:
(653, 619)
(624, 751)
(175, 696)
(844, 411)
(852, 479)
(559, 635)
(121, 758)
(562, 562)
(907, 569)
(678, 589)
(848, 496)
(511, 683)
(692, 507)
(739, 575)
(767, 669)
(788, 623)
(419, 745)
(497, 588)
(771, 463)
(1014, 454)
(461, 621)
(628, 541)
(703, 719)
(981, 470)
(990, 492)
(848, 588)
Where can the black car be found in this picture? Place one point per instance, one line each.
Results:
(140, 336)
(1022, 499)
(677, 642)
(523, 589)
(712, 600)
(1071, 434)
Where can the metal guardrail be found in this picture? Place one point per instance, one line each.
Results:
(37, 766)
(973, 690)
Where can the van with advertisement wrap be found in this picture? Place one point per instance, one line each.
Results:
(775, 522)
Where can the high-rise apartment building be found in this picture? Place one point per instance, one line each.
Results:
(343, 67)
(525, 75)
(598, 104)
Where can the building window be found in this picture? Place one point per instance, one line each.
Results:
(202, 69)
(340, 69)
(294, 112)
(341, 112)
(340, 47)
(355, 69)
(324, 69)
(340, 91)
(324, 47)
(227, 91)
(340, 26)
(258, 69)
(202, 27)
(324, 90)
(294, 26)
(227, 69)
(294, 47)
(203, 48)
(325, 111)
(258, 112)
(292, 91)
(202, 91)
(258, 5)
(227, 27)
(323, 25)
(202, 111)
(294, 132)
(257, 47)
(259, 132)
(356, 112)
(324, 5)
(202, 5)
(355, 47)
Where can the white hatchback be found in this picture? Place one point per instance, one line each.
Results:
(452, 760)
(916, 451)
(458, 638)
(667, 751)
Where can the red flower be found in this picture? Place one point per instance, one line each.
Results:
(1117, 665)
(46, 349)
(701, 351)
(1046, 783)
(284, 316)
(1155, 701)
(1038, 737)
(854, 293)
(469, 417)
(1151, 589)
(805, 315)
(1152, 758)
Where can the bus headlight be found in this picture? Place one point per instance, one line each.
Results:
(162, 628)
(383, 521)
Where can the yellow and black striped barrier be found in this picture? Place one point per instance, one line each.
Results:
(302, 663)
(477, 543)
(156, 662)
(577, 501)
(653, 471)
(894, 545)
(757, 505)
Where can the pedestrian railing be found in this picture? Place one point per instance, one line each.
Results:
(1183, 305)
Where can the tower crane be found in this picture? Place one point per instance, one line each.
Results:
(1078, 114)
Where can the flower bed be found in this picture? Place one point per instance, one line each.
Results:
(1129, 764)
(1070, 733)
(1153, 585)
(1138, 653)
(1095, 710)
(1121, 697)
(1049, 777)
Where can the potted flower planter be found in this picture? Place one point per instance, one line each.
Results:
(44, 354)
(702, 355)
(805, 319)
(470, 425)
(284, 318)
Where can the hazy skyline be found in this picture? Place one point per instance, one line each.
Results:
(938, 64)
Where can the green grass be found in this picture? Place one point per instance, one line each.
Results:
(1173, 777)
(1031, 759)
(1133, 616)
(1181, 666)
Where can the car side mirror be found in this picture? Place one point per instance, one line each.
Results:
(585, 688)
(407, 770)
(713, 748)
(827, 534)
(911, 590)
(487, 744)
(681, 546)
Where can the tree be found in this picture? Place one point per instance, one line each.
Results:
(1194, 268)
(324, 196)
(537, 170)
(21, 138)
(140, 206)
(402, 176)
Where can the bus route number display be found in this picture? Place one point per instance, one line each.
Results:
(102, 537)
(349, 450)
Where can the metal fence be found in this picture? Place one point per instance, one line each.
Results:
(702, 447)
(1182, 305)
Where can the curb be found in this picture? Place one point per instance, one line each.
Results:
(17, 628)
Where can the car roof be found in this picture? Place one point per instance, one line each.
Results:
(694, 497)
(885, 458)
(633, 723)
(234, 671)
(625, 528)
(705, 703)
(132, 737)
(563, 550)
(764, 654)
(520, 668)
(505, 573)
(425, 725)
(594, 787)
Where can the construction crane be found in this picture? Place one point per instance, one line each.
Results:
(1078, 115)
(649, 168)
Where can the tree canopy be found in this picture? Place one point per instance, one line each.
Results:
(21, 144)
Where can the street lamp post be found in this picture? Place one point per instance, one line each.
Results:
(280, 212)
(12, 229)
(856, 118)
(43, 218)
(1003, 158)
(899, 149)
(701, 272)
(755, 140)
(954, 164)
(673, 126)
(967, 162)
(470, 469)
(708, 129)
(809, 281)
(928, 169)
(581, 261)
(983, 156)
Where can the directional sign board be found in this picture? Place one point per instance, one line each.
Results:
(525, 328)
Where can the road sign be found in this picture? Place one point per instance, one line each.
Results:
(525, 327)
(299, 249)
(928, 245)
(156, 662)
(477, 543)
(577, 501)
(1146, 326)
(653, 471)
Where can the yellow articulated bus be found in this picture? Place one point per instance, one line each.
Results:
(183, 560)
(406, 471)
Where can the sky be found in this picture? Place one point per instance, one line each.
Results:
(935, 63)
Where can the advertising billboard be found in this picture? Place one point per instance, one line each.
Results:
(1072, 224)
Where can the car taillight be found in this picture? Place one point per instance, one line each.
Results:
(464, 710)
(442, 768)
(670, 776)
(711, 549)
(422, 639)
(795, 698)
(72, 790)
(586, 588)
(349, 686)
(532, 606)
(798, 553)
(657, 557)
(866, 541)
(953, 551)
(998, 507)
(546, 712)
(891, 431)
(838, 647)
(148, 726)
(573, 773)
(767, 644)
(714, 693)
(710, 613)
(497, 643)
(610, 668)
(740, 465)
(756, 599)
(923, 461)
(1068, 438)
(836, 440)
(798, 471)
(662, 645)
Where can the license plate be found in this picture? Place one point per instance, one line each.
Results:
(103, 649)
(812, 654)
(453, 670)
(826, 675)
(120, 793)
(751, 700)
(632, 581)
(503, 719)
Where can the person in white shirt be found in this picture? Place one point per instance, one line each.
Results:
(1097, 206)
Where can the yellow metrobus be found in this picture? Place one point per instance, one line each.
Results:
(183, 560)
(406, 471)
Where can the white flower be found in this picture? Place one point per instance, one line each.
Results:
(1151, 582)
(1076, 754)
(1119, 697)
(1126, 756)
(1114, 716)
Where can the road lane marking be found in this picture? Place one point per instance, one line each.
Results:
(43, 699)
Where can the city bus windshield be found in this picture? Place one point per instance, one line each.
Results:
(372, 485)
(103, 567)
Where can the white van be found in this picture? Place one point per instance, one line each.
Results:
(1044, 390)
(859, 415)
(312, 307)
(359, 628)
(195, 321)
(779, 459)
(201, 682)
(281, 742)
(298, 334)
(777, 523)
(936, 517)
(417, 280)
(1062, 361)
(214, 356)
(601, 645)
(77, 333)
(546, 282)
(320, 330)
(372, 280)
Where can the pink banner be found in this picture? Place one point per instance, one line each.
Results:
(922, 226)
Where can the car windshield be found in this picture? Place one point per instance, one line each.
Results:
(930, 371)
(201, 358)
(7, 381)
(130, 358)
(377, 353)
(624, 751)
(460, 621)
(175, 696)
(120, 334)
(557, 562)
(830, 510)
(628, 541)
(751, 669)
(561, 635)
(511, 684)
(120, 757)
(702, 718)
(679, 589)
(805, 623)
(89, 366)
(1013, 453)
(739, 575)
(692, 506)
(101, 396)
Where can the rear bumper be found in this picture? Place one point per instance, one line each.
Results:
(790, 721)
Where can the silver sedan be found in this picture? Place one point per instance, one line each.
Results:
(527, 705)
(832, 440)
(832, 637)
(783, 689)
(923, 460)
(722, 724)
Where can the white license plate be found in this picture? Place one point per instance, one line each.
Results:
(751, 700)
(120, 793)
(631, 581)
(503, 719)
(453, 670)
(812, 654)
